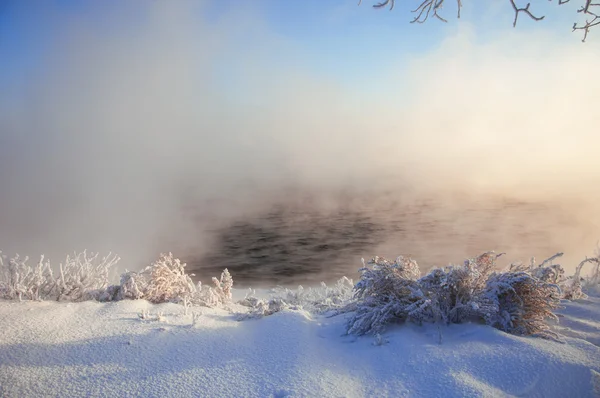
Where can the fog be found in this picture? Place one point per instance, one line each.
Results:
(140, 130)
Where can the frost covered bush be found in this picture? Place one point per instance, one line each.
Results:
(162, 281)
(84, 277)
(220, 291)
(572, 287)
(391, 292)
(80, 277)
(521, 303)
(165, 280)
(19, 280)
(457, 293)
(387, 292)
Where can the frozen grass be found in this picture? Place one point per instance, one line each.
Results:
(517, 301)
(80, 277)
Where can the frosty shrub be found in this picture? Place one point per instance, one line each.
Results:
(387, 292)
(521, 303)
(571, 287)
(82, 276)
(457, 293)
(393, 292)
(550, 274)
(19, 280)
(165, 280)
(222, 287)
(132, 286)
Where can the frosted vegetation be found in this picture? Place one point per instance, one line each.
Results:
(518, 301)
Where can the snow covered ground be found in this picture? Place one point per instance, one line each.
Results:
(51, 349)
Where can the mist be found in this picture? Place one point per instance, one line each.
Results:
(142, 129)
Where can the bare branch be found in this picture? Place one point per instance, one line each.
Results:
(586, 9)
(525, 10)
(382, 4)
(427, 6)
(431, 8)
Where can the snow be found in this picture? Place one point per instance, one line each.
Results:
(59, 349)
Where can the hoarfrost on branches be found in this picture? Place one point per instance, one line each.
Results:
(19, 280)
(82, 276)
(165, 279)
(522, 303)
(515, 302)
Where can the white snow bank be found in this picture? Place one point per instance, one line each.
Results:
(62, 349)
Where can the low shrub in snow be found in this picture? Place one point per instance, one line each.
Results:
(386, 292)
(521, 303)
(18, 280)
(85, 276)
(165, 280)
(392, 292)
(80, 277)
(162, 281)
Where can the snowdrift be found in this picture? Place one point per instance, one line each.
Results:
(431, 338)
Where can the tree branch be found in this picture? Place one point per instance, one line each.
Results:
(587, 9)
(525, 10)
(429, 8)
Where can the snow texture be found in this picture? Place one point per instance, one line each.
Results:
(60, 349)
(181, 339)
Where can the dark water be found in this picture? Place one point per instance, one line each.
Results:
(289, 244)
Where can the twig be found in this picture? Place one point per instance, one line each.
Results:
(525, 10)
(549, 259)
(429, 8)
(587, 260)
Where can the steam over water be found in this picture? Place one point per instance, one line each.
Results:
(299, 242)
(180, 126)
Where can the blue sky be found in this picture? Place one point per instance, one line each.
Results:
(337, 38)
